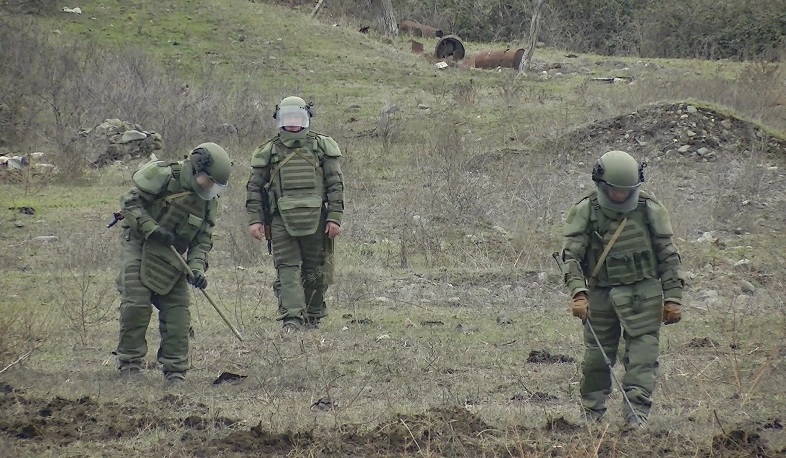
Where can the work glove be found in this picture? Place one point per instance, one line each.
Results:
(671, 313)
(579, 306)
(162, 235)
(198, 279)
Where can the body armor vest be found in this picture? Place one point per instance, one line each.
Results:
(298, 187)
(631, 258)
(183, 212)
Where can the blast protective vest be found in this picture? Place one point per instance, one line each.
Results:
(632, 258)
(178, 209)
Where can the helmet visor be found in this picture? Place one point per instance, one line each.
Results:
(292, 117)
(207, 188)
(618, 198)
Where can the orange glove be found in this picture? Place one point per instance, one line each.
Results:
(579, 306)
(671, 313)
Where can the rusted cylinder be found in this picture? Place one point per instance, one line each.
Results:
(509, 58)
(449, 46)
(417, 29)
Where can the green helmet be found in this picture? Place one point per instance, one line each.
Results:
(211, 161)
(618, 177)
(293, 112)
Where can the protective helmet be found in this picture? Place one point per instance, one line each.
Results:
(618, 177)
(293, 111)
(211, 161)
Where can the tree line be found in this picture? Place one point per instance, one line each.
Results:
(704, 29)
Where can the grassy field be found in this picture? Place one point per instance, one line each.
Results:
(447, 304)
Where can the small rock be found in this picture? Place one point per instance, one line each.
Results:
(747, 287)
(46, 239)
(691, 109)
(703, 151)
(690, 133)
(738, 231)
(423, 106)
(683, 149)
(18, 223)
(503, 320)
(381, 299)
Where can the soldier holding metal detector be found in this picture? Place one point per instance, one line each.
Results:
(169, 213)
(623, 273)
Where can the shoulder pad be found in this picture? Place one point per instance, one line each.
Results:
(328, 146)
(261, 156)
(578, 218)
(658, 216)
(153, 177)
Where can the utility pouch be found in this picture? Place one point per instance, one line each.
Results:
(160, 268)
(638, 306)
(301, 215)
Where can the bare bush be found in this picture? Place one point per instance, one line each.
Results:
(47, 101)
(83, 286)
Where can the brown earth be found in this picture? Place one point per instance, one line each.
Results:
(40, 424)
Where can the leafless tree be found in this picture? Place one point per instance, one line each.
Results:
(534, 29)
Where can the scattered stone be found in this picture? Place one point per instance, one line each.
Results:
(747, 287)
(46, 239)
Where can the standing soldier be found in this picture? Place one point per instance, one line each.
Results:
(623, 272)
(172, 204)
(296, 201)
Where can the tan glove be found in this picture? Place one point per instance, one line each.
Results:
(671, 313)
(579, 306)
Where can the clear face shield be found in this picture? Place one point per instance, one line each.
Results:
(206, 187)
(620, 198)
(292, 119)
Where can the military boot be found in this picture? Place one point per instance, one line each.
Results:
(175, 378)
(290, 325)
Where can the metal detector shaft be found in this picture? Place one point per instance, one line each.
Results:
(611, 371)
(207, 296)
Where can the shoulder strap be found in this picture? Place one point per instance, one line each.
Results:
(608, 247)
(274, 172)
(175, 166)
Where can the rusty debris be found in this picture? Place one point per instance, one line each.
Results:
(450, 46)
(419, 30)
(508, 58)
(417, 47)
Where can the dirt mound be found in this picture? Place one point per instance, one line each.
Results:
(61, 421)
(699, 132)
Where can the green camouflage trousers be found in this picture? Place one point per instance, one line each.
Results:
(633, 313)
(136, 301)
(300, 264)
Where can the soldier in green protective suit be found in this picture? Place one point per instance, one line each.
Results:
(623, 273)
(296, 198)
(171, 204)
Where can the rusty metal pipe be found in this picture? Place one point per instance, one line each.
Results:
(509, 58)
